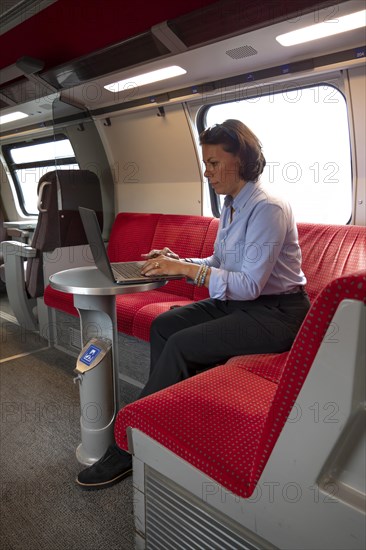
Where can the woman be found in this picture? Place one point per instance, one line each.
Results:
(257, 299)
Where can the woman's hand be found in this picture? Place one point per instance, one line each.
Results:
(166, 262)
(163, 265)
(164, 252)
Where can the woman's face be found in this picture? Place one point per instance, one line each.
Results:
(222, 170)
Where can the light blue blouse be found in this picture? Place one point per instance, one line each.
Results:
(258, 252)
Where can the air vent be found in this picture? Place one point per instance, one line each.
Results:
(177, 520)
(242, 51)
(138, 49)
(227, 18)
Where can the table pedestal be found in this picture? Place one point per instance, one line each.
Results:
(95, 300)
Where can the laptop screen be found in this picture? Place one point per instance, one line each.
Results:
(95, 240)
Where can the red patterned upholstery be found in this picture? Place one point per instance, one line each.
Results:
(328, 252)
(200, 293)
(131, 236)
(213, 420)
(135, 234)
(59, 300)
(186, 236)
(129, 305)
(269, 366)
(226, 421)
(145, 316)
(301, 357)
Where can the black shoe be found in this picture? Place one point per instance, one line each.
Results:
(114, 466)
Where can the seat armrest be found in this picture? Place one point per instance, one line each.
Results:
(14, 254)
(16, 248)
(18, 233)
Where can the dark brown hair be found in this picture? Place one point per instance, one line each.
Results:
(238, 139)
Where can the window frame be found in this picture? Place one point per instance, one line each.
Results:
(334, 80)
(13, 166)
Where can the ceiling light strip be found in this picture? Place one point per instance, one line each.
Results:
(331, 27)
(145, 78)
(10, 117)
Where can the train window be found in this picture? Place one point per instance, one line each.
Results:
(306, 142)
(29, 160)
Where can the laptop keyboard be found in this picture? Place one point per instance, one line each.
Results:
(128, 270)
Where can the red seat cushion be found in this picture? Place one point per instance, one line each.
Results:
(270, 366)
(128, 305)
(60, 300)
(213, 420)
(146, 314)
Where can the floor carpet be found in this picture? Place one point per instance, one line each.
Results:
(41, 506)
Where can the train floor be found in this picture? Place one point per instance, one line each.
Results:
(41, 506)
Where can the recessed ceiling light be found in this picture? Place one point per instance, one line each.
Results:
(12, 116)
(321, 30)
(146, 78)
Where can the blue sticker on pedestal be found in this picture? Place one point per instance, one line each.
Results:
(91, 353)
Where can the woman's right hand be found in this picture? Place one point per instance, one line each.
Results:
(164, 252)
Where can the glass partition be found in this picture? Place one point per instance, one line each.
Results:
(79, 127)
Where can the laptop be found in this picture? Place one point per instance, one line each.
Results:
(122, 273)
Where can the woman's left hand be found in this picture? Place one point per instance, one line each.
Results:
(162, 265)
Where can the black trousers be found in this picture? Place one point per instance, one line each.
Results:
(188, 339)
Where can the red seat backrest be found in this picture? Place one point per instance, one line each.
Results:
(330, 251)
